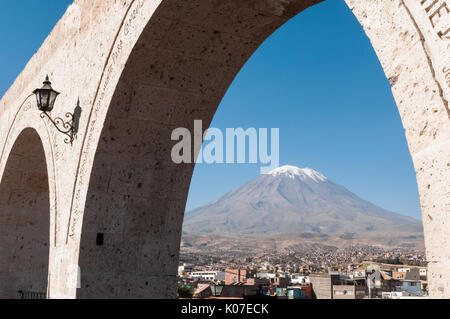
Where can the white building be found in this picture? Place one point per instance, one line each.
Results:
(297, 279)
(265, 275)
(423, 272)
(208, 275)
(400, 295)
(404, 269)
(184, 269)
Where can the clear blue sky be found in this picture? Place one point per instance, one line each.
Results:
(317, 79)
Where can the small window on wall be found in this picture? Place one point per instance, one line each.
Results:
(100, 239)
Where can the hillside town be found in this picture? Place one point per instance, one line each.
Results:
(307, 257)
(367, 281)
(354, 272)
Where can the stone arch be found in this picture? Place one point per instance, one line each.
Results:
(24, 218)
(178, 70)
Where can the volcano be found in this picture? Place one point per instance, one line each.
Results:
(296, 200)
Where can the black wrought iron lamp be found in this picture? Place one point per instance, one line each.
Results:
(46, 98)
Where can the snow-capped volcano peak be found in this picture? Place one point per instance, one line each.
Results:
(292, 200)
(303, 173)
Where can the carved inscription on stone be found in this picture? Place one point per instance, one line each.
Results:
(447, 75)
(439, 15)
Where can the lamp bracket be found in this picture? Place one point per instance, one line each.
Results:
(65, 127)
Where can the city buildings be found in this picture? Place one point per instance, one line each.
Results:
(362, 282)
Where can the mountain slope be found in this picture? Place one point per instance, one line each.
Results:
(290, 200)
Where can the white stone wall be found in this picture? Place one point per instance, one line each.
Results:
(141, 67)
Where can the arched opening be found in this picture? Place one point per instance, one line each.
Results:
(24, 220)
(178, 71)
(293, 223)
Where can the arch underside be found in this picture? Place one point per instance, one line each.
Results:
(179, 70)
(137, 195)
(24, 219)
